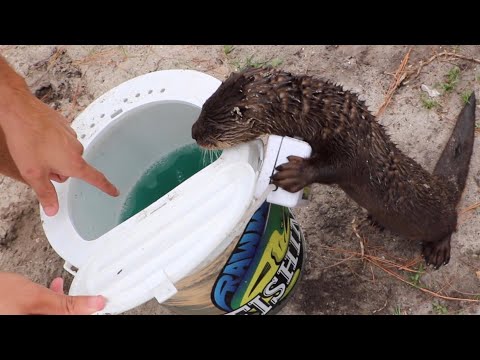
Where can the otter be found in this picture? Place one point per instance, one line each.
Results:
(349, 148)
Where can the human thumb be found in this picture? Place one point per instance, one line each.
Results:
(57, 304)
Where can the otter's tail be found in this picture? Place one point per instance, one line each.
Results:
(455, 159)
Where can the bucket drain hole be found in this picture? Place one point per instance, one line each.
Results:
(117, 112)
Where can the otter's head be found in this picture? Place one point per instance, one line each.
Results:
(228, 116)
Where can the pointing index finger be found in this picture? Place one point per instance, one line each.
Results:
(95, 178)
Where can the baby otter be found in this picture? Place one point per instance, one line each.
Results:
(349, 148)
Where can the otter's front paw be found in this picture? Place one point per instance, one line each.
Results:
(292, 176)
(437, 253)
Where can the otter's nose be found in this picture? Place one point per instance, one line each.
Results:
(195, 130)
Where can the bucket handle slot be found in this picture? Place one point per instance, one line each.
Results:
(70, 268)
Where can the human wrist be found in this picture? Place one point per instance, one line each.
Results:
(13, 92)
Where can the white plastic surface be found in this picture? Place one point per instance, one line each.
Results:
(188, 227)
(122, 153)
(276, 153)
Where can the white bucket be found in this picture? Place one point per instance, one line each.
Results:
(209, 246)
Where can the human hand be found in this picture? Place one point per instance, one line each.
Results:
(44, 147)
(20, 296)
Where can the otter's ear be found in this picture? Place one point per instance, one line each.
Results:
(231, 88)
(232, 78)
(228, 93)
(249, 72)
(237, 79)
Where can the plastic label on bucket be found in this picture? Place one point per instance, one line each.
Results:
(264, 266)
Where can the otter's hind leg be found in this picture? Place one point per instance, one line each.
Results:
(437, 253)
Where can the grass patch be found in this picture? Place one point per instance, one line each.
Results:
(466, 95)
(397, 310)
(439, 309)
(227, 49)
(428, 103)
(251, 61)
(452, 79)
(415, 278)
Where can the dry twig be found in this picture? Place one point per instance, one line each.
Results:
(379, 262)
(399, 76)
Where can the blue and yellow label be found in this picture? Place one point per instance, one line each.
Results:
(264, 266)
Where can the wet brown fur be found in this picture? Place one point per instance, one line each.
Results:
(350, 148)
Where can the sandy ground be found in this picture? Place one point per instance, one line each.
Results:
(337, 279)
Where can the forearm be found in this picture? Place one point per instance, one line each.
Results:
(13, 91)
(11, 83)
(7, 165)
(12, 87)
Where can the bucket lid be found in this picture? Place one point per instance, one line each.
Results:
(146, 255)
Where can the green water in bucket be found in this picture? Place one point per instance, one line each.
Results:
(166, 174)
